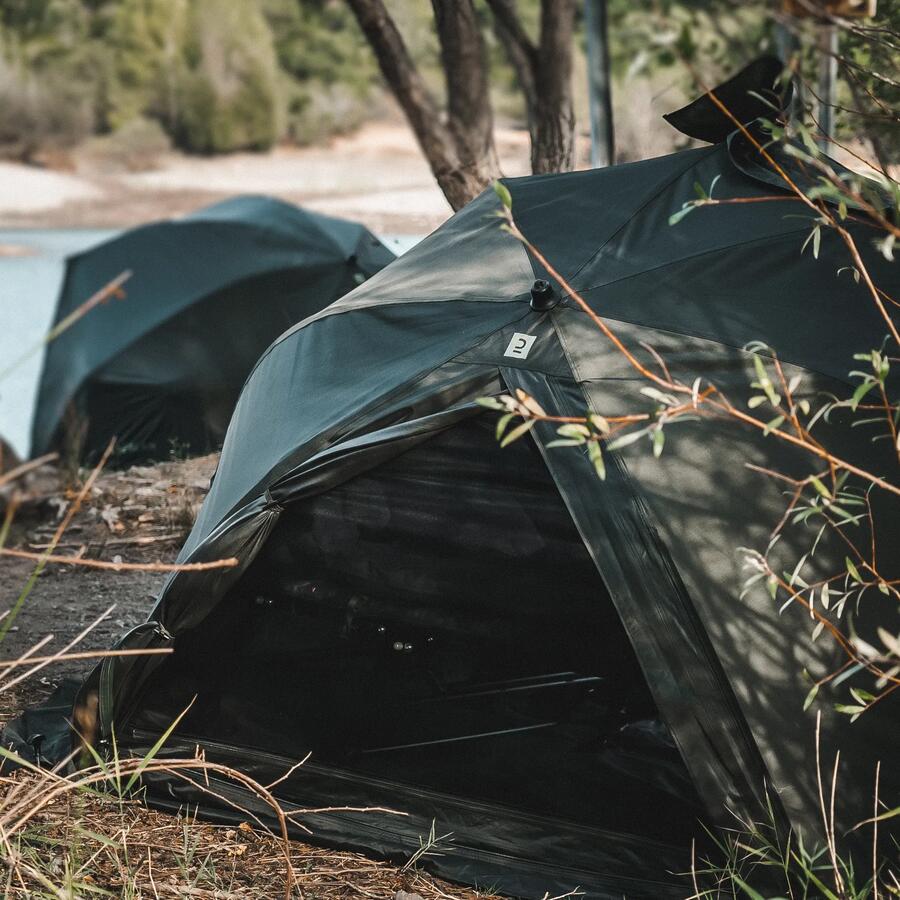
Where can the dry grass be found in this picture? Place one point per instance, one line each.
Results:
(88, 834)
(89, 843)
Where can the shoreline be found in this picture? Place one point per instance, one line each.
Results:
(377, 176)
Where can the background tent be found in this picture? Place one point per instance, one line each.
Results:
(561, 671)
(162, 368)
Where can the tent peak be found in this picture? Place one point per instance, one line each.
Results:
(755, 91)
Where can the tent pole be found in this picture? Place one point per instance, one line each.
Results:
(599, 87)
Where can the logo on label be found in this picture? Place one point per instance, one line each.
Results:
(520, 345)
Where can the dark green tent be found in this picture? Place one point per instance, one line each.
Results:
(560, 671)
(162, 369)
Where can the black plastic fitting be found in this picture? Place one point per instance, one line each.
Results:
(543, 297)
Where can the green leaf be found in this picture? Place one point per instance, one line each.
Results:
(816, 237)
(659, 440)
(772, 424)
(564, 443)
(817, 484)
(574, 430)
(862, 696)
(676, 217)
(502, 191)
(849, 710)
(151, 753)
(626, 439)
(810, 697)
(518, 431)
(860, 392)
(749, 891)
(659, 396)
(595, 455)
(851, 568)
(761, 372)
(600, 423)
(756, 400)
(502, 422)
(489, 402)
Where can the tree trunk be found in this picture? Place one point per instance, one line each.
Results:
(520, 50)
(553, 142)
(461, 151)
(544, 72)
(469, 114)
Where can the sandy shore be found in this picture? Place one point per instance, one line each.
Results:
(377, 175)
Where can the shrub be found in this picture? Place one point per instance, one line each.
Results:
(315, 111)
(135, 147)
(40, 114)
(229, 97)
(144, 42)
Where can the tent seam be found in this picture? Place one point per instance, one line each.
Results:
(699, 255)
(649, 201)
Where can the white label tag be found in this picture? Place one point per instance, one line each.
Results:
(520, 345)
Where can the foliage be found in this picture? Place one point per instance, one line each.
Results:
(138, 146)
(69, 67)
(721, 35)
(753, 861)
(326, 70)
(40, 114)
(229, 95)
(216, 75)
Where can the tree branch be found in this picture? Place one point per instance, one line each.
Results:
(519, 48)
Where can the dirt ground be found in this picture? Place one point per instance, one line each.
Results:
(139, 515)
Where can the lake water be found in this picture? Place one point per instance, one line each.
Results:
(32, 262)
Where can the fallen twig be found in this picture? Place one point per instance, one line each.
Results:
(227, 563)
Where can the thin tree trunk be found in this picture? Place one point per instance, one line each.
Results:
(553, 146)
(544, 73)
(460, 149)
(463, 163)
(469, 114)
(519, 48)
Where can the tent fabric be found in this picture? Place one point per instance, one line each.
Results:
(208, 293)
(360, 487)
(752, 93)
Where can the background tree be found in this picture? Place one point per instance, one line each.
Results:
(459, 146)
